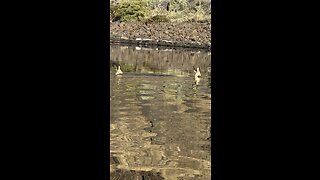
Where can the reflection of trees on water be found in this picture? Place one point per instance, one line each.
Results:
(160, 124)
(176, 62)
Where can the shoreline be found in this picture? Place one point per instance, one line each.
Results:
(159, 44)
(183, 35)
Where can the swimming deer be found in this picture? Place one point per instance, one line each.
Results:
(197, 75)
(119, 72)
(197, 72)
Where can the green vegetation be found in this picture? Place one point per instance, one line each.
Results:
(134, 10)
(160, 10)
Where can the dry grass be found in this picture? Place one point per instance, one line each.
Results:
(186, 14)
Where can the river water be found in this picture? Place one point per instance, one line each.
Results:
(160, 121)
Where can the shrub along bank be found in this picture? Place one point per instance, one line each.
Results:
(160, 10)
(184, 23)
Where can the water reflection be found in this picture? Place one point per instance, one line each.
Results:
(160, 114)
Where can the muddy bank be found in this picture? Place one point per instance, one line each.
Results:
(186, 34)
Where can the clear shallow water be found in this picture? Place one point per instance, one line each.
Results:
(160, 120)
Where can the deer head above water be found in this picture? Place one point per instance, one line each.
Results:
(197, 75)
(119, 72)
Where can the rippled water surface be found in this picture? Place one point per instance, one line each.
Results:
(160, 119)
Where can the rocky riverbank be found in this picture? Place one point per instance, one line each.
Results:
(185, 34)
